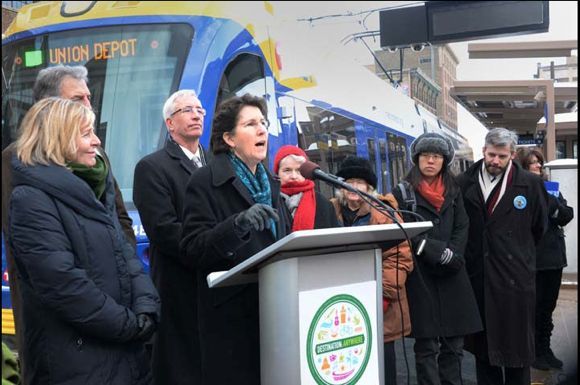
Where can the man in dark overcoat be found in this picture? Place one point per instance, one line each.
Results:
(68, 82)
(507, 209)
(158, 192)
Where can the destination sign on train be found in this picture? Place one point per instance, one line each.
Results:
(81, 53)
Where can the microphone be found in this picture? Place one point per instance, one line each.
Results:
(311, 170)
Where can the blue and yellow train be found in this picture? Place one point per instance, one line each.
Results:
(139, 52)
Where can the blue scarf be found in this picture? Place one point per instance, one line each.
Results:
(258, 185)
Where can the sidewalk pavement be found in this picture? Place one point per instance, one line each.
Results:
(564, 345)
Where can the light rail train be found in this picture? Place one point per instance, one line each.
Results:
(138, 53)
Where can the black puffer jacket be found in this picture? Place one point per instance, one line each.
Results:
(81, 282)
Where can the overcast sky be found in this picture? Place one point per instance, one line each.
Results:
(336, 25)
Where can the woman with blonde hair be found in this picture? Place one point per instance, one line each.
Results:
(87, 304)
(397, 263)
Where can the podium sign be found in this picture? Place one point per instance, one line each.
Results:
(321, 318)
(338, 330)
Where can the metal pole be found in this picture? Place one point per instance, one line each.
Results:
(550, 122)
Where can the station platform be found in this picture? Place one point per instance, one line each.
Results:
(564, 345)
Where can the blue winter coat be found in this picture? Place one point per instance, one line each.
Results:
(81, 282)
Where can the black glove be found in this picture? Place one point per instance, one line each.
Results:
(258, 216)
(146, 327)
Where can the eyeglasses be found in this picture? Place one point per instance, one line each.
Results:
(189, 110)
(254, 124)
(429, 155)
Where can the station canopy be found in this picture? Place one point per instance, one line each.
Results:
(517, 105)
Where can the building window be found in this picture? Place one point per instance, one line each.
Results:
(575, 149)
(560, 149)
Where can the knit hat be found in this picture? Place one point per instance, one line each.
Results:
(356, 167)
(435, 143)
(284, 151)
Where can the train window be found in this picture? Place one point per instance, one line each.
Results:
(244, 70)
(327, 137)
(127, 100)
(398, 163)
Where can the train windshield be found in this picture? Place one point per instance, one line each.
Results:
(132, 70)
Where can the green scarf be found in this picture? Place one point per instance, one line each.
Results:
(95, 176)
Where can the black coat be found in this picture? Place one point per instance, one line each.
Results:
(81, 282)
(158, 192)
(551, 251)
(441, 300)
(501, 262)
(228, 317)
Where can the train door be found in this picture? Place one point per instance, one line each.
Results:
(398, 160)
(384, 168)
(378, 156)
(325, 136)
(371, 145)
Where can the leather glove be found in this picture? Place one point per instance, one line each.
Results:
(258, 217)
(446, 256)
(146, 327)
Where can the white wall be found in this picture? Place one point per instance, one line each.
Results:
(565, 172)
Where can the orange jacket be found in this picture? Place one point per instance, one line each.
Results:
(395, 271)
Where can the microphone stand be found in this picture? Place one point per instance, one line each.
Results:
(378, 204)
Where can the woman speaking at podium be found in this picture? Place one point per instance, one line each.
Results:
(233, 210)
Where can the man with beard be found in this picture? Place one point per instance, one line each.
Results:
(507, 210)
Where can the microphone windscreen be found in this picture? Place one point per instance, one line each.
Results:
(307, 169)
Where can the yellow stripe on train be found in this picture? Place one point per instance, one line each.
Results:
(7, 322)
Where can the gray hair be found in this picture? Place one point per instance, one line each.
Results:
(169, 106)
(341, 198)
(49, 80)
(501, 137)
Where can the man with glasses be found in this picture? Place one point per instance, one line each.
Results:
(68, 82)
(507, 210)
(158, 192)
